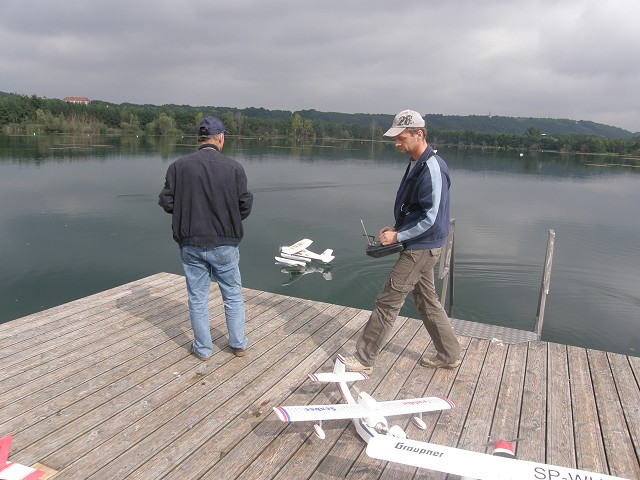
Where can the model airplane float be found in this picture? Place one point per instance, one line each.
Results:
(367, 414)
(473, 465)
(14, 471)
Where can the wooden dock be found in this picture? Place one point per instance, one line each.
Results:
(105, 388)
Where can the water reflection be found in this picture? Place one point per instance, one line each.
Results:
(296, 272)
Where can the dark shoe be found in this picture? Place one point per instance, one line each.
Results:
(436, 362)
(238, 352)
(352, 364)
(204, 359)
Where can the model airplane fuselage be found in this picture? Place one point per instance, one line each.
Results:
(472, 465)
(367, 414)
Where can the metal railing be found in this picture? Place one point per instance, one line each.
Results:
(446, 274)
(546, 280)
(446, 267)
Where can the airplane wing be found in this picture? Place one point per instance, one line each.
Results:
(414, 405)
(296, 247)
(321, 412)
(470, 464)
(351, 410)
(328, 377)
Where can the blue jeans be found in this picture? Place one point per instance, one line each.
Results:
(220, 264)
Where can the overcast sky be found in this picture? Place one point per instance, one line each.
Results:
(576, 59)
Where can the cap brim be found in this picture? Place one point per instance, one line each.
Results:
(394, 131)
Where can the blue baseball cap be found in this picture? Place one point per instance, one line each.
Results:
(210, 126)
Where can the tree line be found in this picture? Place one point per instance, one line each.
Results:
(21, 114)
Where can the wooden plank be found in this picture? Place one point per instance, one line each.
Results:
(482, 407)
(506, 420)
(621, 457)
(36, 321)
(629, 392)
(459, 386)
(560, 439)
(37, 350)
(56, 364)
(28, 338)
(588, 435)
(108, 372)
(533, 417)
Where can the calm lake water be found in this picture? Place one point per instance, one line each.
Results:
(80, 215)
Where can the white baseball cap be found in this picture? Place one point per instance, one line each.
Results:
(405, 119)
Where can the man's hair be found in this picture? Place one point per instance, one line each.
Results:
(202, 138)
(414, 131)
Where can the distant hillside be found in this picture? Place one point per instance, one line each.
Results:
(22, 109)
(482, 123)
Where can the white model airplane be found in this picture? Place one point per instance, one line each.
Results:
(366, 413)
(471, 465)
(298, 255)
(14, 471)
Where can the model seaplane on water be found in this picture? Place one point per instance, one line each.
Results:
(297, 261)
(367, 414)
(298, 255)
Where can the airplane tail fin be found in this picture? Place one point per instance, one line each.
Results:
(327, 255)
(339, 374)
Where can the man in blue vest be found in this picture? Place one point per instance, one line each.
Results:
(206, 194)
(422, 227)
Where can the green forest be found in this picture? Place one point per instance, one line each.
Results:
(29, 115)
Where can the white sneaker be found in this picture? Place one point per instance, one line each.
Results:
(352, 364)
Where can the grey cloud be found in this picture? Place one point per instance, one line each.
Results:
(563, 59)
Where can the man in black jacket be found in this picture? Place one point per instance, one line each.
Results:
(206, 194)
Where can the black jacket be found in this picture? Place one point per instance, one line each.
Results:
(206, 194)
